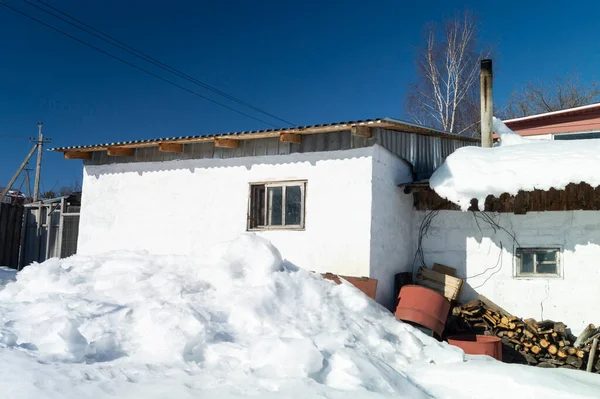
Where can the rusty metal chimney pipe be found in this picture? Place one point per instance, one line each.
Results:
(487, 105)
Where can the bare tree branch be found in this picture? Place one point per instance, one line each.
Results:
(561, 93)
(445, 95)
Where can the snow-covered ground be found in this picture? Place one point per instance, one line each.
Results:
(517, 164)
(238, 323)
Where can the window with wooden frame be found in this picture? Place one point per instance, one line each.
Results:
(276, 205)
(538, 262)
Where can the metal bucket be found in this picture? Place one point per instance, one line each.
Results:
(424, 307)
(478, 345)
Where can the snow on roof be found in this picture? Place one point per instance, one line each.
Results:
(516, 164)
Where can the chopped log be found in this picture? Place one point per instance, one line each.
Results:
(580, 353)
(512, 325)
(516, 341)
(560, 329)
(546, 365)
(544, 332)
(536, 349)
(530, 323)
(544, 343)
(530, 359)
(567, 366)
(556, 362)
(544, 324)
(528, 334)
(528, 344)
(552, 349)
(491, 320)
(592, 355)
(510, 334)
(504, 320)
(574, 361)
(492, 305)
(525, 349)
(571, 351)
(587, 332)
(561, 354)
(595, 334)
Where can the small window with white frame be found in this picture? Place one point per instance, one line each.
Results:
(538, 262)
(276, 205)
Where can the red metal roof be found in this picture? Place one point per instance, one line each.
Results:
(572, 120)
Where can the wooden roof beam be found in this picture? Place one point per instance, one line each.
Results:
(170, 147)
(290, 138)
(226, 143)
(77, 155)
(361, 131)
(120, 152)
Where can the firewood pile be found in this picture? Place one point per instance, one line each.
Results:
(541, 343)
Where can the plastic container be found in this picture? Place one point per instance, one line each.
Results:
(478, 345)
(424, 307)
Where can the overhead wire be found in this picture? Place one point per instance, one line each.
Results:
(139, 54)
(135, 66)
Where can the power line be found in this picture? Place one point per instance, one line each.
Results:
(139, 54)
(135, 66)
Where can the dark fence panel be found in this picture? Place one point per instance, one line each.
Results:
(11, 217)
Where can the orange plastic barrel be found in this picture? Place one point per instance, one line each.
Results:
(424, 307)
(478, 345)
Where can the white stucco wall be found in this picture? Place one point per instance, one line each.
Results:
(391, 226)
(486, 259)
(185, 207)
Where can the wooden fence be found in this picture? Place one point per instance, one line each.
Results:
(11, 218)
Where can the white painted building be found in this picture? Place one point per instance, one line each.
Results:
(327, 196)
(560, 283)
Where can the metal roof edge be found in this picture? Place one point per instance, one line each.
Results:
(296, 129)
(553, 113)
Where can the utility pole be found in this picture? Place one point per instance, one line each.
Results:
(37, 146)
(38, 167)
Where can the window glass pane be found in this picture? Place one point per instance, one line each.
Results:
(526, 262)
(293, 205)
(257, 206)
(546, 256)
(275, 195)
(546, 268)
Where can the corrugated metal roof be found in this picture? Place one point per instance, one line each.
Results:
(309, 129)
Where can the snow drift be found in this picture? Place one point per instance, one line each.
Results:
(517, 164)
(243, 323)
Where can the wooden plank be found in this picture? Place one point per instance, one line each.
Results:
(361, 131)
(170, 147)
(226, 143)
(77, 155)
(592, 355)
(120, 152)
(446, 285)
(290, 138)
(450, 271)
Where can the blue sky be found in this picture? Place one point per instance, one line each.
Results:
(307, 62)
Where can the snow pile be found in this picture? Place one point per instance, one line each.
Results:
(517, 164)
(6, 275)
(245, 323)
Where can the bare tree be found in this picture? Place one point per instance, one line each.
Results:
(561, 93)
(445, 95)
